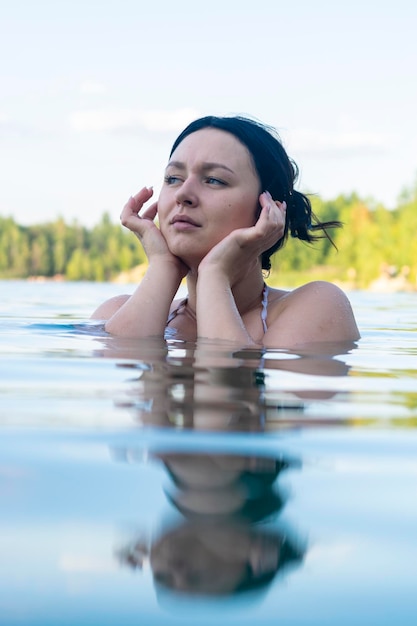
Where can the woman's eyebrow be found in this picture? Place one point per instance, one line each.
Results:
(178, 164)
(205, 166)
(212, 166)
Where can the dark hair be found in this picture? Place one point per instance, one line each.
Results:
(277, 174)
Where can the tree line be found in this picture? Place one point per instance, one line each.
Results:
(70, 251)
(372, 237)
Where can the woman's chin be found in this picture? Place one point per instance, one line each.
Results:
(188, 254)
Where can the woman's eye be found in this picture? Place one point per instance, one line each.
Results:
(214, 181)
(171, 179)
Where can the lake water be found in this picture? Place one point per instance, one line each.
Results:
(142, 483)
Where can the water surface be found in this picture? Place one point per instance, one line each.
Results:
(167, 484)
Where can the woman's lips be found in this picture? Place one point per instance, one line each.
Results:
(183, 222)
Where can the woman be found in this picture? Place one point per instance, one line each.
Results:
(227, 204)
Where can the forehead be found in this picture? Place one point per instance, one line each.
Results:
(213, 145)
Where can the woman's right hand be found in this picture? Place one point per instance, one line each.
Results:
(144, 227)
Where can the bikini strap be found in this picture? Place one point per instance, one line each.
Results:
(264, 311)
(175, 312)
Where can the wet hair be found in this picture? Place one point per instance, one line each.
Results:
(277, 173)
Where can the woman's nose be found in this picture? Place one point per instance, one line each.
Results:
(186, 193)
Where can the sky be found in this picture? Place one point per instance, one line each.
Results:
(93, 94)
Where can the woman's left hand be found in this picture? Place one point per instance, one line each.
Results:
(239, 252)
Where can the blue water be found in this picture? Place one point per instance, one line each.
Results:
(154, 484)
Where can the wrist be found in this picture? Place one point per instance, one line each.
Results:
(211, 270)
(212, 277)
(172, 267)
(212, 281)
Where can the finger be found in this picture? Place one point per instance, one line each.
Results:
(135, 203)
(143, 195)
(266, 201)
(276, 218)
(129, 212)
(282, 209)
(150, 212)
(272, 212)
(270, 226)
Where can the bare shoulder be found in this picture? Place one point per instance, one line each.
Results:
(320, 293)
(318, 311)
(108, 308)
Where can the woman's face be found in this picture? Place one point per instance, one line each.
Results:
(210, 189)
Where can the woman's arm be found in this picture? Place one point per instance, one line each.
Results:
(317, 314)
(217, 314)
(145, 312)
(235, 259)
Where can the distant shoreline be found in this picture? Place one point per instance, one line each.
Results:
(385, 283)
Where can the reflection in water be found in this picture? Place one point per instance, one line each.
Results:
(204, 386)
(218, 558)
(229, 540)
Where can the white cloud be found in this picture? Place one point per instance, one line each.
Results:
(338, 143)
(10, 127)
(91, 87)
(101, 120)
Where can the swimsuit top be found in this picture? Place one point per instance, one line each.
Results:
(171, 332)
